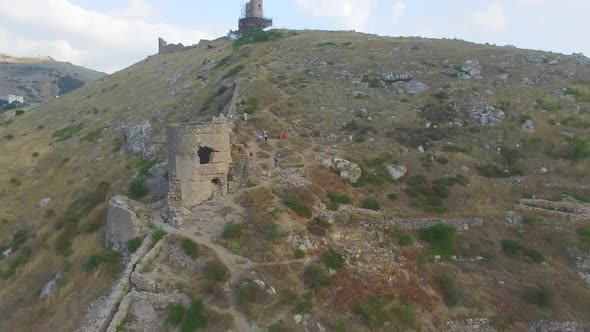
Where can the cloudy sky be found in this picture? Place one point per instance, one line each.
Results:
(109, 35)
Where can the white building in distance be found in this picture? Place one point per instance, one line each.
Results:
(12, 98)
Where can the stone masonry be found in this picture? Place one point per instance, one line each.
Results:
(123, 222)
(199, 158)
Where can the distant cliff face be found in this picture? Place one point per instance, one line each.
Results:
(40, 79)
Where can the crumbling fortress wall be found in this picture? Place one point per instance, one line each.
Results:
(253, 17)
(199, 158)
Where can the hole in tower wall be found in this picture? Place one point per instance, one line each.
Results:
(205, 155)
(216, 182)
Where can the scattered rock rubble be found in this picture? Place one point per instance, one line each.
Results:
(417, 224)
(50, 287)
(348, 170)
(470, 325)
(555, 326)
(568, 210)
(397, 171)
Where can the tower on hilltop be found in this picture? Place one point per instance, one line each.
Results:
(253, 17)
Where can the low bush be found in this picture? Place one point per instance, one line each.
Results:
(17, 263)
(393, 196)
(305, 305)
(542, 295)
(189, 248)
(195, 318)
(333, 259)
(234, 71)
(258, 36)
(496, 172)
(231, 231)
(111, 259)
(315, 276)
(145, 166)
(66, 133)
(158, 234)
(374, 312)
(584, 234)
(298, 206)
(456, 149)
(18, 239)
(134, 244)
(234, 247)
(19, 112)
(378, 313)
(216, 271)
(176, 315)
(272, 231)
(299, 254)
(405, 240)
(92, 137)
(249, 292)
(452, 293)
(337, 199)
(371, 204)
(138, 188)
(441, 240)
(512, 248)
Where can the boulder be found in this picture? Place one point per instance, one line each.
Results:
(50, 287)
(44, 202)
(396, 171)
(472, 68)
(513, 218)
(137, 141)
(414, 88)
(487, 115)
(348, 170)
(396, 77)
(528, 126)
(123, 222)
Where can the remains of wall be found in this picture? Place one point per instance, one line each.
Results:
(164, 47)
(123, 222)
(199, 157)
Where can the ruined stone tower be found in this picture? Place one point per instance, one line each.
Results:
(253, 18)
(199, 158)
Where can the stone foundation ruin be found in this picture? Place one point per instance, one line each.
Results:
(199, 159)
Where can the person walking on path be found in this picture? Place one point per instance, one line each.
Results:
(276, 162)
(265, 135)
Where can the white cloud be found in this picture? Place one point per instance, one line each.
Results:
(399, 8)
(492, 18)
(350, 14)
(71, 33)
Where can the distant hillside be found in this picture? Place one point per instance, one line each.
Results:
(40, 79)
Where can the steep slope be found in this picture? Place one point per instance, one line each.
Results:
(41, 79)
(477, 128)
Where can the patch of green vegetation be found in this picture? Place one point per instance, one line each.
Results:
(376, 312)
(272, 231)
(231, 231)
(396, 236)
(111, 259)
(138, 188)
(189, 248)
(18, 239)
(234, 71)
(294, 202)
(258, 36)
(249, 292)
(66, 133)
(496, 172)
(19, 112)
(337, 199)
(315, 276)
(134, 244)
(299, 254)
(549, 103)
(333, 259)
(17, 263)
(371, 204)
(499, 323)
(584, 234)
(158, 234)
(441, 240)
(393, 196)
(372, 81)
(195, 318)
(541, 295)
(575, 123)
(430, 196)
(92, 137)
(234, 247)
(223, 62)
(581, 93)
(145, 166)
(250, 105)
(9, 137)
(216, 271)
(441, 95)
(452, 293)
(512, 248)
(176, 315)
(305, 305)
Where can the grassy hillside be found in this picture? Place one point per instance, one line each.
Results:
(328, 88)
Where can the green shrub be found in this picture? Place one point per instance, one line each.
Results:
(257, 36)
(234, 247)
(298, 206)
(499, 323)
(195, 317)
(111, 259)
(496, 172)
(333, 259)
(251, 105)
(189, 248)
(146, 165)
(18, 239)
(542, 295)
(176, 315)
(66, 133)
(405, 240)
(393, 196)
(234, 71)
(16, 264)
(249, 292)
(512, 248)
(440, 237)
(315, 276)
(371, 204)
(299, 254)
(216, 271)
(550, 104)
(138, 188)
(374, 312)
(19, 112)
(92, 137)
(305, 305)
(272, 231)
(452, 293)
(337, 199)
(158, 234)
(134, 244)
(231, 231)
(584, 234)
(456, 149)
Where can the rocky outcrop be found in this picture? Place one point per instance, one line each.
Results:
(471, 69)
(470, 325)
(486, 115)
(392, 77)
(137, 141)
(555, 326)
(396, 172)
(50, 287)
(418, 224)
(528, 126)
(123, 222)
(347, 170)
(414, 88)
